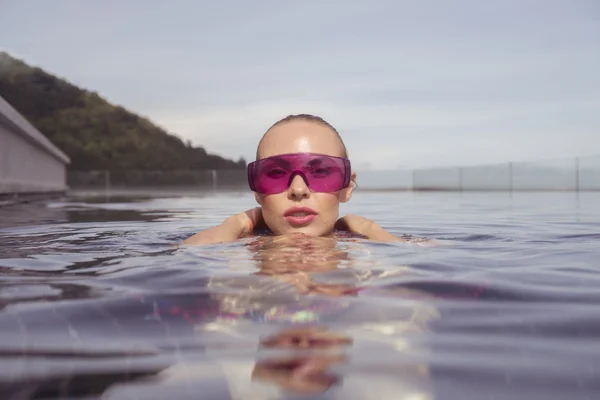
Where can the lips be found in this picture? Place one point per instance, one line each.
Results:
(299, 216)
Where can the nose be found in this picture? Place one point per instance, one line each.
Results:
(298, 188)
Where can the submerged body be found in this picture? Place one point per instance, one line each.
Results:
(302, 309)
(305, 278)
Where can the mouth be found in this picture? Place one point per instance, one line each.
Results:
(299, 216)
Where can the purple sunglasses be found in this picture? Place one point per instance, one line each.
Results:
(322, 173)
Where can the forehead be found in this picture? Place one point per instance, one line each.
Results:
(300, 137)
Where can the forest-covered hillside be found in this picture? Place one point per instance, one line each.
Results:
(92, 132)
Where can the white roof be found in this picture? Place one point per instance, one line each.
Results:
(11, 118)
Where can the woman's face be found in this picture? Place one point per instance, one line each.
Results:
(301, 137)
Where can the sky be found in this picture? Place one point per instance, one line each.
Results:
(408, 84)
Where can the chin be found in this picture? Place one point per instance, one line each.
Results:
(315, 228)
(308, 230)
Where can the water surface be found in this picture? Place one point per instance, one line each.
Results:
(97, 301)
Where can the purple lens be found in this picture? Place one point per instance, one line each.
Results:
(321, 173)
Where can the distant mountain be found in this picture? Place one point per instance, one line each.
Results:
(92, 132)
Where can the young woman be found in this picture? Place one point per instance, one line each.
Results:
(301, 175)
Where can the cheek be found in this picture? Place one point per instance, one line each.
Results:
(272, 207)
(273, 203)
(328, 203)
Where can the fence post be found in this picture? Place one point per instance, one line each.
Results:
(106, 181)
(460, 179)
(577, 174)
(214, 178)
(510, 176)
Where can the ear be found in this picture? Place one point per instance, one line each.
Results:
(347, 193)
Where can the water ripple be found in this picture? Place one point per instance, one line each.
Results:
(98, 300)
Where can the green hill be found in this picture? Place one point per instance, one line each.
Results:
(92, 132)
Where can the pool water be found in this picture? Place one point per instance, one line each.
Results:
(98, 301)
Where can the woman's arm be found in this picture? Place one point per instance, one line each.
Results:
(233, 228)
(369, 228)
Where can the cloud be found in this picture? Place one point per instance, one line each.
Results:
(387, 136)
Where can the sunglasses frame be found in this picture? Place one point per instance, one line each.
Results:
(346, 162)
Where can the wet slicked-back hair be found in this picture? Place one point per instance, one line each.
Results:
(309, 118)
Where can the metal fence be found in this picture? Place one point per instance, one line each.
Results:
(578, 174)
(139, 179)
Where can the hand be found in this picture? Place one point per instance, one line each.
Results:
(356, 224)
(249, 220)
(303, 373)
(306, 337)
(231, 229)
(300, 374)
(367, 228)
